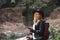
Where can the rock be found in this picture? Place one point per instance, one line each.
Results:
(55, 14)
(56, 22)
(14, 27)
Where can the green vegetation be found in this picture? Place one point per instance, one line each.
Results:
(54, 34)
(12, 36)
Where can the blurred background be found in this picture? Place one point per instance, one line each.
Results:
(16, 15)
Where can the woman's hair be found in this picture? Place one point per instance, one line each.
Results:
(40, 12)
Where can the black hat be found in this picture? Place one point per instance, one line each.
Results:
(40, 12)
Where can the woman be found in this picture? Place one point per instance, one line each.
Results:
(38, 26)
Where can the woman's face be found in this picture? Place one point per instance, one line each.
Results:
(37, 15)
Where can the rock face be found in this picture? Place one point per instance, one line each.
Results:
(54, 18)
(11, 19)
(11, 15)
(14, 27)
(8, 29)
(55, 14)
(54, 21)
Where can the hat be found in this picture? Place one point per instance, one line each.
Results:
(40, 12)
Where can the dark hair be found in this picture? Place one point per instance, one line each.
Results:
(40, 12)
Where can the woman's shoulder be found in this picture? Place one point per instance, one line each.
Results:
(43, 20)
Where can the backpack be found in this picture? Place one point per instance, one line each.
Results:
(46, 32)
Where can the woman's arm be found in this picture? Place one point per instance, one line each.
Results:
(41, 28)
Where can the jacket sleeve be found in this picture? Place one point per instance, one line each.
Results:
(41, 28)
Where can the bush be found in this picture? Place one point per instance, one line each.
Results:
(54, 34)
